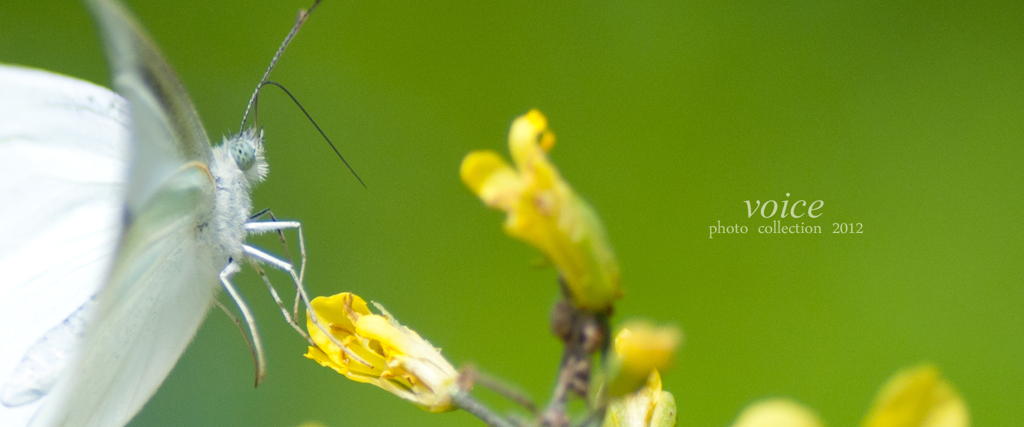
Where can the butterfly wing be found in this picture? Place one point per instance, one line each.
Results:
(165, 273)
(63, 163)
(158, 293)
(166, 131)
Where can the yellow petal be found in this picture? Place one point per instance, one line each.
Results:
(776, 413)
(647, 407)
(640, 349)
(338, 313)
(663, 404)
(664, 413)
(320, 357)
(332, 310)
(393, 339)
(544, 211)
(491, 178)
(918, 397)
(401, 361)
(528, 133)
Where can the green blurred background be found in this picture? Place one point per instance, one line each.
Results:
(907, 117)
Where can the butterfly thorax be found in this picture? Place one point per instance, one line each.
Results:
(238, 165)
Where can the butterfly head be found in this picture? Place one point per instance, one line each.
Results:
(246, 149)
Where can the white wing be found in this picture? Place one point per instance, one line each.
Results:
(63, 150)
(158, 294)
(166, 131)
(165, 274)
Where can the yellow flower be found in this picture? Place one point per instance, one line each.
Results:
(915, 397)
(777, 413)
(918, 397)
(544, 211)
(401, 361)
(640, 348)
(647, 407)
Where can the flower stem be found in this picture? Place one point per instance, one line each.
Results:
(583, 334)
(471, 375)
(467, 403)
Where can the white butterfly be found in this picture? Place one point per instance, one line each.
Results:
(120, 222)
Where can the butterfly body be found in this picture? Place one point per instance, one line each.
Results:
(234, 182)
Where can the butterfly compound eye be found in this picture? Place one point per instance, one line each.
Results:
(243, 152)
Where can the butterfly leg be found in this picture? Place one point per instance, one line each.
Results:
(245, 336)
(261, 227)
(258, 227)
(287, 256)
(273, 292)
(225, 280)
(280, 234)
(288, 267)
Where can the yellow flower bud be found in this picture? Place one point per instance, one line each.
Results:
(647, 407)
(918, 397)
(915, 397)
(543, 211)
(401, 361)
(777, 413)
(640, 348)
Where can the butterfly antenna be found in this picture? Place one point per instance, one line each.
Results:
(296, 101)
(303, 14)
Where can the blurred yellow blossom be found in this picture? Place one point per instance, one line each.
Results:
(777, 413)
(544, 211)
(914, 397)
(647, 407)
(918, 397)
(640, 348)
(401, 361)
